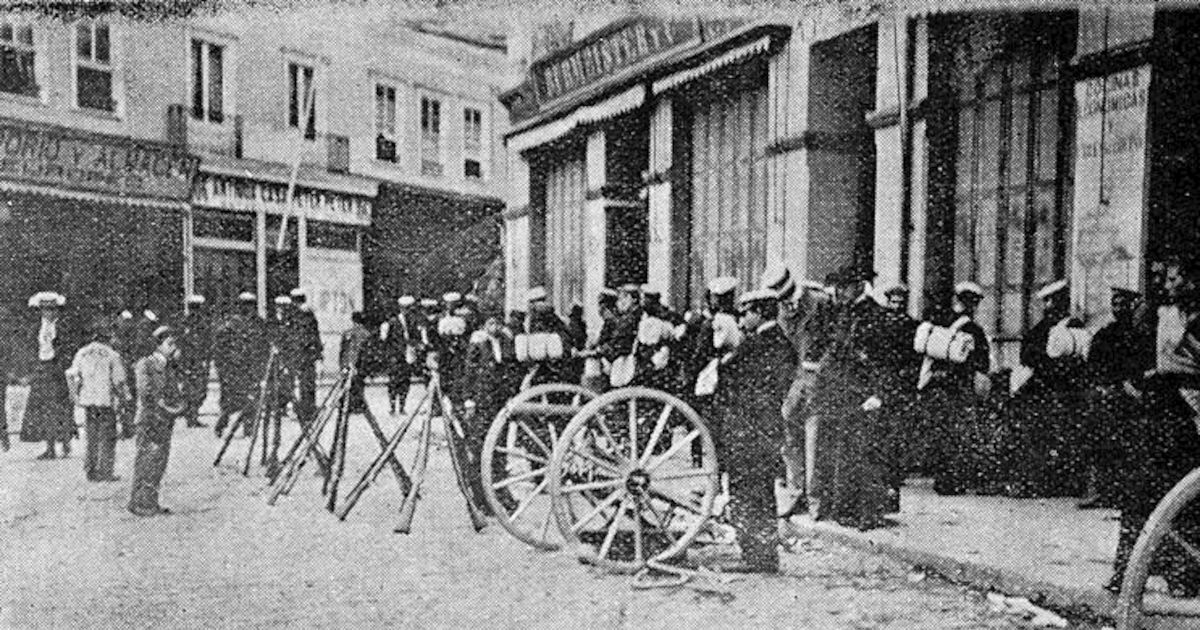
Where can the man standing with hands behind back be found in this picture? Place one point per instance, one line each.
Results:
(160, 401)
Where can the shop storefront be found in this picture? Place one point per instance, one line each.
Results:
(238, 211)
(97, 218)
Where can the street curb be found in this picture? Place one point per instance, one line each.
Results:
(1090, 604)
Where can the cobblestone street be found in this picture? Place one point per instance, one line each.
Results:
(73, 557)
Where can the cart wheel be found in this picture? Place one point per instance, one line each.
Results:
(625, 492)
(516, 453)
(1164, 532)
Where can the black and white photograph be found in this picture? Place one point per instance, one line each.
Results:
(614, 314)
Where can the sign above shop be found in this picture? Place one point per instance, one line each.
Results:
(616, 48)
(246, 195)
(59, 157)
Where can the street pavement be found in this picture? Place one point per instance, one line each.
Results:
(71, 556)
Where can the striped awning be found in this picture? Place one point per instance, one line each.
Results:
(589, 114)
(757, 47)
(92, 197)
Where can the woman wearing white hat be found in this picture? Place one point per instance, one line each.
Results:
(49, 416)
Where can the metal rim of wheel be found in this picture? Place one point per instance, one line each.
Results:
(1134, 603)
(653, 502)
(516, 515)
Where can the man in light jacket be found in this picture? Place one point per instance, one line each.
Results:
(98, 384)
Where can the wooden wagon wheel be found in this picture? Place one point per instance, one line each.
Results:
(516, 454)
(1163, 532)
(625, 489)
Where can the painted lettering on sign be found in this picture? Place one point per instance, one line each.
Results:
(1109, 186)
(609, 52)
(65, 158)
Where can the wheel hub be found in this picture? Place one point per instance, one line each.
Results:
(638, 482)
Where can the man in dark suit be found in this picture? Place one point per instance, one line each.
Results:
(490, 381)
(159, 401)
(243, 348)
(302, 338)
(195, 355)
(750, 395)
(399, 345)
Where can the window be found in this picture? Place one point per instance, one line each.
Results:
(228, 226)
(328, 235)
(93, 66)
(208, 81)
(302, 99)
(431, 136)
(385, 123)
(1009, 224)
(472, 143)
(16, 59)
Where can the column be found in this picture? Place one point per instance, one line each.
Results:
(260, 250)
(595, 225)
(918, 168)
(189, 257)
(889, 121)
(787, 197)
(658, 191)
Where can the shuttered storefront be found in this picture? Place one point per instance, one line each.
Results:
(729, 177)
(565, 192)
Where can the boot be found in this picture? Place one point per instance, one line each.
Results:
(1091, 494)
(49, 454)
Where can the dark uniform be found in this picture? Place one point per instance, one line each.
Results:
(195, 355)
(1120, 354)
(242, 350)
(1045, 414)
(303, 350)
(853, 463)
(160, 400)
(125, 335)
(401, 356)
(750, 392)
(350, 356)
(491, 380)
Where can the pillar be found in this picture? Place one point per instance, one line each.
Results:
(890, 122)
(918, 167)
(660, 261)
(788, 174)
(516, 233)
(595, 226)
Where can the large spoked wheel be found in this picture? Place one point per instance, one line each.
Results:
(1170, 530)
(626, 487)
(516, 454)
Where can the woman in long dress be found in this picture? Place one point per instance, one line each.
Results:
(49, 416)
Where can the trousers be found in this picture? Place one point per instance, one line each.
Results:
(153, 450)
(101, 430)
(752, 511)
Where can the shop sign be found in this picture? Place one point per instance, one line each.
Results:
(1110, 187)
(59, 157)
(245, 195)
(608, 53)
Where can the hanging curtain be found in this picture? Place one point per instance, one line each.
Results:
(729, 185)
(565, 190)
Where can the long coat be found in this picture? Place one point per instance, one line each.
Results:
(853, 463)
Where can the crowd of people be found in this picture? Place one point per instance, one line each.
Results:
(831, 385)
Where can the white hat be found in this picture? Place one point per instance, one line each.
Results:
(43, 299)
(812, 285)
(536, 294)
(757, 295)
(298, 292)
(282, 299)
(246, 296)
(778, 278)
(722, 285)
(163, 331)
(462, 311)
(968, 287)
(428, 302)
(126, 315)
(452, 296)
(150, 315)
(1052, 288)
(407, 300)
(649, 289)
(194, 298)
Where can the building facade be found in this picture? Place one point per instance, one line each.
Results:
(935, 146)
(241, 151)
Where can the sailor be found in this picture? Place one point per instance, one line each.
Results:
(543, 320)
(453, 333)
(401, 353)
(656, 342)
(1047, 407)
(49, 416)
(715, 334)
(160, 401)
(750, 394)
(490, 382)
(950, 394)
(242, 351)
(195, 355)
(306, 352)
(1121, 352)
